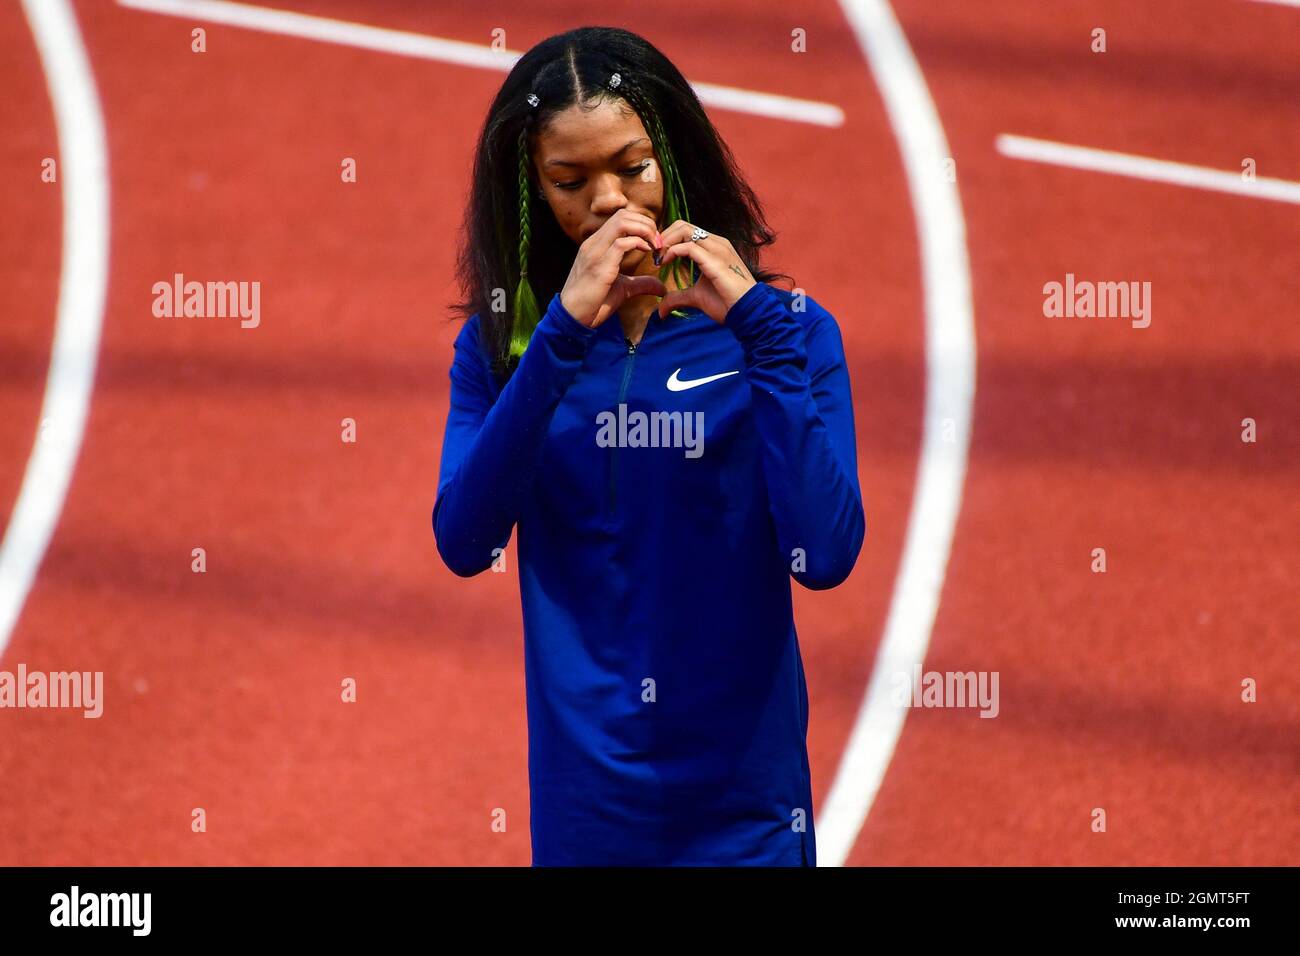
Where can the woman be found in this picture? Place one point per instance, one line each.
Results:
(674, 445)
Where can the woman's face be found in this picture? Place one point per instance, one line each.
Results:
(592, 162)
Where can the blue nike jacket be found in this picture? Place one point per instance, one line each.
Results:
(665, 494)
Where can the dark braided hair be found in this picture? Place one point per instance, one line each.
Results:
(511, 240)
(526, 310)
(675, 206)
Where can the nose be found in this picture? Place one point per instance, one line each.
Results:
(608, 197)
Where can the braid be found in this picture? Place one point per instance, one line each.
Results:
(675, 206)
(526, 311)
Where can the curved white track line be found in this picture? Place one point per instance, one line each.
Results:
(83, 171)
(949, 394)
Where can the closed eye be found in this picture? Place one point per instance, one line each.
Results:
(636, 170)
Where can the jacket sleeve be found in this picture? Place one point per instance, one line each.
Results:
(803, 410)
(492, 446)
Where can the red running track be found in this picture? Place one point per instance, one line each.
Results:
(1119, 691)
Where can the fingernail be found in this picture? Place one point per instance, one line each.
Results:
(657, 256)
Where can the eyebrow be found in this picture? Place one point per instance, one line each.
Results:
(613, 155)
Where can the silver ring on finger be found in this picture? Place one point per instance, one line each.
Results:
(697, 234)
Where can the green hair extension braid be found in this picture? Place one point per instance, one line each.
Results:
(526, 311)
(675, 206)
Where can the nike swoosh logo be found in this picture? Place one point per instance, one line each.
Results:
(678, 385)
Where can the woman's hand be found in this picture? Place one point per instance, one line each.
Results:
(723, 277)
(595, 288)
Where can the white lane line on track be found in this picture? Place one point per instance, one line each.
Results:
(482, 56)
(1147, 168)
(949, 394)
(83, 281)
(1282, 3)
